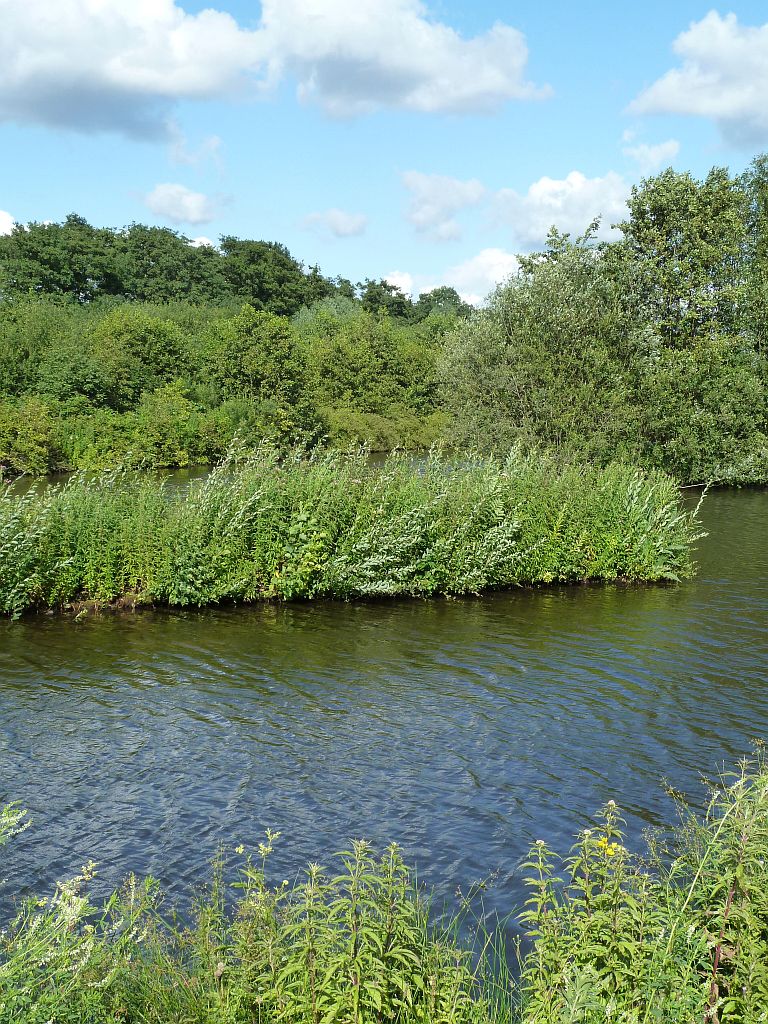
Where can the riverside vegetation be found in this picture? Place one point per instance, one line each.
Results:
(327, 524)
(678, 934)
(134, 346)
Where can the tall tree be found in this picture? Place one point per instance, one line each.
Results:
(265, 275)
(685, 240)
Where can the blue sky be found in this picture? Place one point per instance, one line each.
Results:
(428, 143)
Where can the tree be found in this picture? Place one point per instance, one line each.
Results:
(160, 265)
(267, 277)
(545, 364)
(685, 240)
(444, 300)
(381, 297)
(72, 258)
(254, 356)
(754, 183)
(124, 354)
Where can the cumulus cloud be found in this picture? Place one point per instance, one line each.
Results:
(354, 56)
(6, 223)
(723, 76)
(435, 199)
(474, 279)
(180, 205)
(338, 223)
(201, 240)
(100, 65)
(107, 65)
(569, 203)
(650, 158)
(403, 280)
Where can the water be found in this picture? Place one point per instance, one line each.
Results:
(463, 729)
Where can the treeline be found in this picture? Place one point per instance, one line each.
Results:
(92, 385)
(137, 346)
(84, 264)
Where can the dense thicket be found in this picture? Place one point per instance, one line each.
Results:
(329, 525)
(136, 346)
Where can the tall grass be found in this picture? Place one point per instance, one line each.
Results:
(328, 525)
(677, 935)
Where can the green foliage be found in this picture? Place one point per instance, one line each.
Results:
(125, 353)
(372, 377)
(649, 350)
(26, 437)
(588, 354)
(545, 363)
(677, 936)
(686, 239)
(354, 944)
(106, 371)
(703, 412)
(265, 275)
(262, 527)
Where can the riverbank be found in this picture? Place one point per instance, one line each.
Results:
(677, 934)
(328, 525)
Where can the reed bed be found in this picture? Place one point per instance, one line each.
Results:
(328, 525)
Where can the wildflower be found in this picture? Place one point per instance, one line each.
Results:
(240, 849)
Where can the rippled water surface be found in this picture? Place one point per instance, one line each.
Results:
(463, 729)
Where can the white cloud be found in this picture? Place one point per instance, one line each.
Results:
(568, 203)
(201, 240)
(6, 223)
(338, 223)
(179, 151)
(354, 56)
(477, 277)
(180, 204)
(435, 199)
(403, 280)
(474, 279)
(723, 76)
(108, 65)
(651, 158)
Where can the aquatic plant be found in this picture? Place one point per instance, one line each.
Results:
(320, 524)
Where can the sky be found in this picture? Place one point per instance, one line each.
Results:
(427, 143)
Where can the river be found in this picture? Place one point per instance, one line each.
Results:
(463, 729)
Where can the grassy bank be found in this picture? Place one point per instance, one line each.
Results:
(677, 935)
(328, 525)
